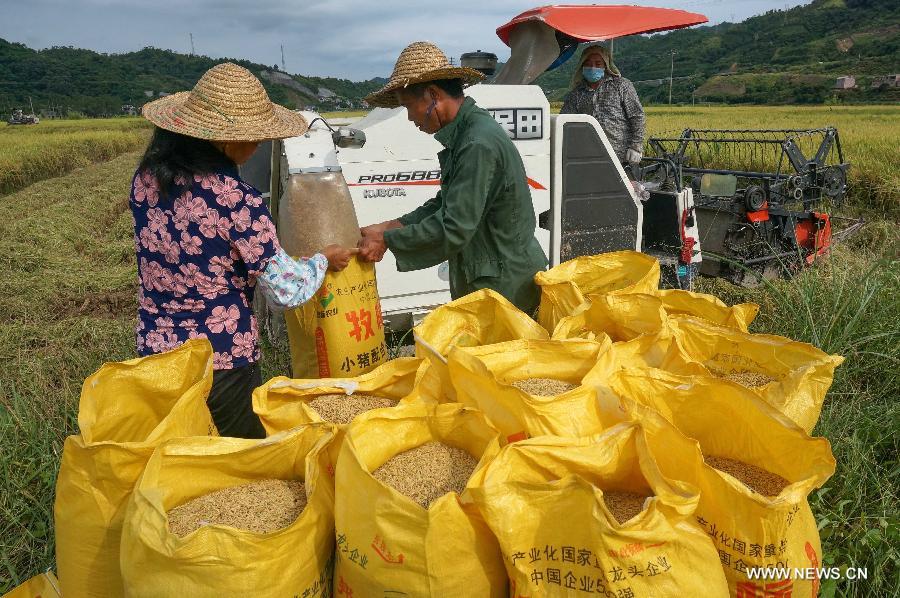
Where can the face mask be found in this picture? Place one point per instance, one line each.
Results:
(592, 74)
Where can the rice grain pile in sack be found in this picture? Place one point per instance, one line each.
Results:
(621, 317)
(481, 318)
(708, 307)
(595, 516)
(390, 545)
(565, 287)
(126, 410)
(769, 527)
(486, 378)
(282, 403)
(293, 558)
(340, 331)
(791, 376)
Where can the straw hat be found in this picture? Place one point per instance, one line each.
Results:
(227, 104)
(420, 62)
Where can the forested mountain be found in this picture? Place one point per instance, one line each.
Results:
(782, 56)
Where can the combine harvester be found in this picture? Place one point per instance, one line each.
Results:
(584, 199)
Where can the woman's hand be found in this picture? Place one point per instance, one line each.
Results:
(338, 257)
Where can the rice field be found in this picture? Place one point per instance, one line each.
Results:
(30, 153)
(67, 303)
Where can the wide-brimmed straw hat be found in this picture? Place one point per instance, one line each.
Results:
(420, 62)
(227, 104)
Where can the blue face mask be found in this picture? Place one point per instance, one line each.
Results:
(592, 74)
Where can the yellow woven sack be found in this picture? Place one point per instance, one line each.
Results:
(749, 530)
(484, 317)
(544, 500)
(44, 585)
(215, 560)
(281, 403)
(660, 351)
(565, 287)
(126, 410)
(483, 378)
(388, 545)
(621, 317)
(802, 374)
(677, 302)
(340, 331)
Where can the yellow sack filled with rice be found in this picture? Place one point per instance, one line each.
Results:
(215, 517)
(708, 307)
(44, 585)
(621, 317)
(754, 469)
(126, 410)
(595, 516)
(531, 388)
(282, 403)
(484, 317)
(791, 376)
(565, 287)
(340, 331)
(404, 524)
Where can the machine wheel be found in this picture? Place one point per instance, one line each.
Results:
(834, 181)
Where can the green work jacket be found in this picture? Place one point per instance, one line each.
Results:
(482, 218)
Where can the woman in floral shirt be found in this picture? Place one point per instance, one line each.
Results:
(204, 238)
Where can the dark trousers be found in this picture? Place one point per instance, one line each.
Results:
(230, 402)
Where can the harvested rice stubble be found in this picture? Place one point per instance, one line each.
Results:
(749, 379)
(543, 387)
(428, 472)
(342, 408)
(262, 506)
(623, 505)
(756, 478)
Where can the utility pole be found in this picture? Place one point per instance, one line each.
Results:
(192, 44)
(671, 72)
(283, 68)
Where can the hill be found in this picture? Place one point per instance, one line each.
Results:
(782, 56)
(98, 84)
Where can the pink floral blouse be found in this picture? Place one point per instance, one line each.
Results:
(199, 254)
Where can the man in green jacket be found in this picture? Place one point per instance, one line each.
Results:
(482, 219)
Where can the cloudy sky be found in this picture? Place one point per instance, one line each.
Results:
(343, 38)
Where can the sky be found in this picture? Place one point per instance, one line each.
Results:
(350, 39)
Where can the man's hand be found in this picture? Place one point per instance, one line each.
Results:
(372, 247)
(338, 257)
(378, 229)
(633, 156)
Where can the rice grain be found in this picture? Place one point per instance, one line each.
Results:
(755, 478)
(543, 387)
(749, 379)
(428, 472)
(261, 506)
(623, 505)
(342, 408)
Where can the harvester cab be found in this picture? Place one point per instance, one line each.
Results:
(584, 200)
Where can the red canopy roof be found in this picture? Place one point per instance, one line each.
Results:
(601, 22)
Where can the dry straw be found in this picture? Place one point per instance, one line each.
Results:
(420, 62)
(228, 103)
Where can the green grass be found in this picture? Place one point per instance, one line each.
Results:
(67, 285)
